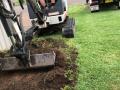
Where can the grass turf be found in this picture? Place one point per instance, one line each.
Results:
(97, 38)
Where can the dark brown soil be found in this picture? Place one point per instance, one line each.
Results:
(43, 79)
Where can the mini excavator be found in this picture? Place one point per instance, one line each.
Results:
(14, 40)
(52, 17)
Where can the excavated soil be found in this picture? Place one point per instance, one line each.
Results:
(53, 78)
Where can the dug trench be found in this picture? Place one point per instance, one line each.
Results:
(59, 77)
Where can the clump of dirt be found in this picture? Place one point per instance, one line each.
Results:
(48, 78)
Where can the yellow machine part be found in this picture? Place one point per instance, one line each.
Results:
(108, 1)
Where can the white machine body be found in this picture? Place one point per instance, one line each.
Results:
(5, 42)
(55, 18)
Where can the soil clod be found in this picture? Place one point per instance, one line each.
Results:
(50, 79)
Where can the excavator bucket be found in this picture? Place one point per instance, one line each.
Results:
(35, 61)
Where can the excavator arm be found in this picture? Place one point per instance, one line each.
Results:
(14, 41)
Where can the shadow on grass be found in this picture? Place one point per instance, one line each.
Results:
(108, 7)
(53, 30)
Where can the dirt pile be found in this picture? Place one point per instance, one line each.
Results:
(53, 78)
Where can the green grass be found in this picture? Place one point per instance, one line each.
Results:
(97, 39)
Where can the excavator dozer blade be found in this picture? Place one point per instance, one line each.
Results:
(36, 61)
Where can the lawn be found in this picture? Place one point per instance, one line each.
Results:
(97, 39)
